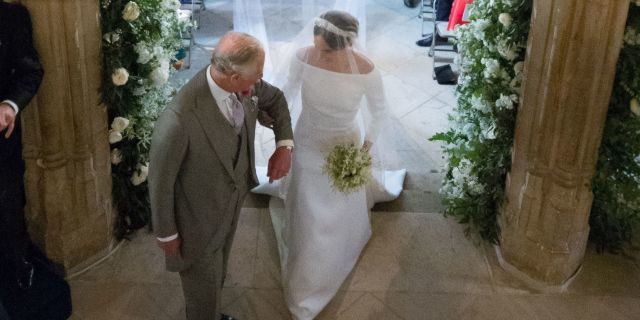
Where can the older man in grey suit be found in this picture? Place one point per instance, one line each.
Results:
(202, 166)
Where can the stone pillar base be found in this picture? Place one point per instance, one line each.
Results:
(533, 283)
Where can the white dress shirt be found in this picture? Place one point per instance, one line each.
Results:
(13, 105)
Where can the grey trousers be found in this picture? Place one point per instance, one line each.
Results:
(202, 282)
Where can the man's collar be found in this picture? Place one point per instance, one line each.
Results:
(218, 93)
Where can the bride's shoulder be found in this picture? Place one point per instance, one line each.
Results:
(365, 65)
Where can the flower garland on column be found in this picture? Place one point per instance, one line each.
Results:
(140, 39)
(481, 129)
(615, 214)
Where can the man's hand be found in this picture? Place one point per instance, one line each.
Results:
(7, 119)
(279, 164)
(170, 248)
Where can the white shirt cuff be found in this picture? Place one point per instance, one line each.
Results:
(13, 105)
(284, 143)
(169, 238)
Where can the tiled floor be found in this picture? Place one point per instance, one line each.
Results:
(418, 264)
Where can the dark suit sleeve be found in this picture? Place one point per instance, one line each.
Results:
(272, 101)
(28, 72)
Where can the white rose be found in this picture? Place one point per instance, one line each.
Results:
(140, 175)
(114, 136)
(160, 75)
(635, 107)
(116, 156)
(119, 124)
(120, 76)
(505, 19)
(131, 11)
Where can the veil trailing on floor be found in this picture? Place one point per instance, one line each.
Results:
(291, 53)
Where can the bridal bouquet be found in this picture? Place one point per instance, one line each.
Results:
(348, 167)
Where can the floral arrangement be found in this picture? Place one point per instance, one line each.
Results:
(481, 129)
(348, 167)
(140, 40)
(615, 214)
(478, 143)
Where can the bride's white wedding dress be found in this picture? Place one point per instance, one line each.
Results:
(321, 231)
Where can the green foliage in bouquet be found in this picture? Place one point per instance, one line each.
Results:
(615, 215)
(348, 167)
(140, 40)
(480, 136)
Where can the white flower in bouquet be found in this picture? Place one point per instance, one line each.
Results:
(160, 75)
(114, 136)
(348, 167)
(505, 19)
(635, 107)
(120, 76)
(140, 175)
(119, 124)
(131, 11)
(116, 156)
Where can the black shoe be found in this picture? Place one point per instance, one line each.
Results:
(227, 317)
(445, 75)
(426, 42)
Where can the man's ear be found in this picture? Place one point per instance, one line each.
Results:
(235, 77)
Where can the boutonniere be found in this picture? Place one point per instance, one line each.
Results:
(254, 102)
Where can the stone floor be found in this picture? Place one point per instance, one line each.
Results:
(418, 264)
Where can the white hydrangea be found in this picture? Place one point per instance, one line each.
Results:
(160, 75)
(492, 67)
(144, 53)
(479, 104)
(506, 102)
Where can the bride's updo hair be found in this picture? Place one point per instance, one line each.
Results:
(337, 39)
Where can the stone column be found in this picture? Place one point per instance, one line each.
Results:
(68, 178)
(570, 67)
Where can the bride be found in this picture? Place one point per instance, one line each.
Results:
(321, 231)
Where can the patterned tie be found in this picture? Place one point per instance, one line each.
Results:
(237, 113)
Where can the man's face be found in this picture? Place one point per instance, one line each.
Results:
(243, 83)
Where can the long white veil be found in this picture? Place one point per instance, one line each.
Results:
(291, 51)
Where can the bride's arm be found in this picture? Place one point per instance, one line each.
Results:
(377, 107)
